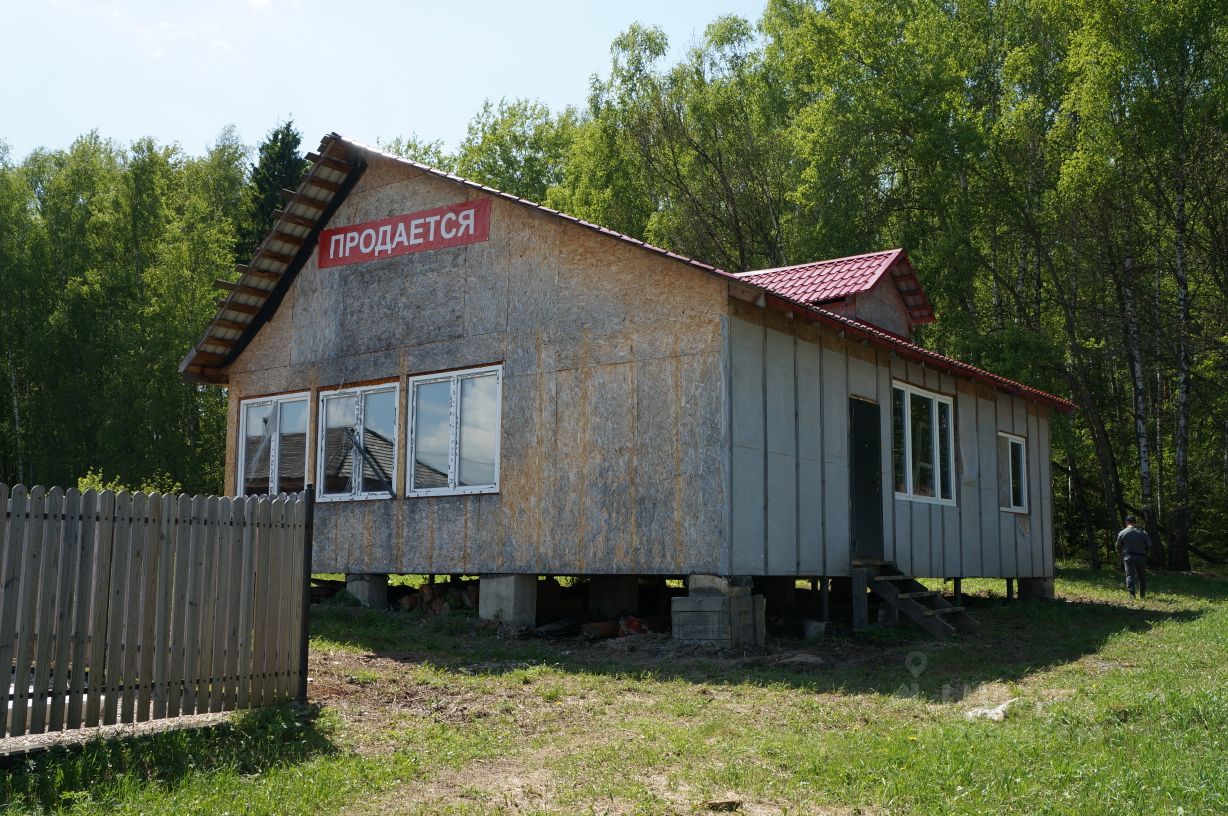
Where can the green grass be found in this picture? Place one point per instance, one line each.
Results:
(1120, 707)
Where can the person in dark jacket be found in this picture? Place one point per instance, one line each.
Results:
(1132, 547)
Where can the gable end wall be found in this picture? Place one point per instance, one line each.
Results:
(612, 405)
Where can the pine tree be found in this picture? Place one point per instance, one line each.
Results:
(279, 166)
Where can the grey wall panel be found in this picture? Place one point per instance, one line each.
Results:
(782, 549)
(903, 536)
(987, 448)
(748, 509)
(863, 378)
(748, 457)
(781, 433)
(835, 462)
(1036, 537)
(746, 364)
(968, 460)
(810, 458)
(888, 488)
(952, 562)
(1046, 497)
(922, 538)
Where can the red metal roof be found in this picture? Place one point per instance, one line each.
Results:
(820, 282)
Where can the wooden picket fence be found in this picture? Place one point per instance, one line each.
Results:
(126, 608)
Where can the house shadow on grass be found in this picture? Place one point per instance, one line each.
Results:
(250, 742)
(1018, 639)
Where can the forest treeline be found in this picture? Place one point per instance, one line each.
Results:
(1054, 168)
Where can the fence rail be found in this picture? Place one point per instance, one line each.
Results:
(131, 607)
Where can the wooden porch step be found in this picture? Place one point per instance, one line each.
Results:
(929, 593)
(942, 610)
(893, 578)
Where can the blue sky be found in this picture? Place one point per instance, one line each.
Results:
(180, 70)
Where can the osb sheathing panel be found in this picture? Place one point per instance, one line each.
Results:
(612, 393)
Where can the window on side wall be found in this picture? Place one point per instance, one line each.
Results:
(273, 445)
(922, 444)
(1012, 473)
(454, 432)
(358, 443)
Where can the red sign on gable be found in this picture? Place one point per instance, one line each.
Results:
(453, 225)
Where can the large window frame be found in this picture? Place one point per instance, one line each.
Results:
(455, 379)
(357, 460)
(941, 445)
(1014, 466)
(275, 402)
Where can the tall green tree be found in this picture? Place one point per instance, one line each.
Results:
(279, 165)
(517, 146)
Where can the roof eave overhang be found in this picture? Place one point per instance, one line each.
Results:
(253, 299)
(911, 351)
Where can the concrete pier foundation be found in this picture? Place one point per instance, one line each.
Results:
(369, 587)
(511, 599)
(1036, 588)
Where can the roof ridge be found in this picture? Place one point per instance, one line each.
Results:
(790, 267)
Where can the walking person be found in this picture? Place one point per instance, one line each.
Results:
(1132, 547)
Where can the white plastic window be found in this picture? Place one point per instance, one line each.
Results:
(357, 451)
(273, 445)
(923, 444)
(1012, 473)
(454, 432)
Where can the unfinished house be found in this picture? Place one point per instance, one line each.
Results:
(479, 385)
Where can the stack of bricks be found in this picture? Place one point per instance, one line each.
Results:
(720, 611)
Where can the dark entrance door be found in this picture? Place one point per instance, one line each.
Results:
(866, 478)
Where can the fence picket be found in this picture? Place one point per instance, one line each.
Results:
(31, 574)
(86, 564)
(290, 597)
(221, 609)
(121, 538)
(208, 610)
(196, 566)
(137, 553)
(265, 603)
(147, 648)
(162, 605)
(234, 615)
(14, 559)
(100, 599)
(179, 598)
(44, 632)
(279, 613)
(246, 606)
(70, 557)
(288, 632)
